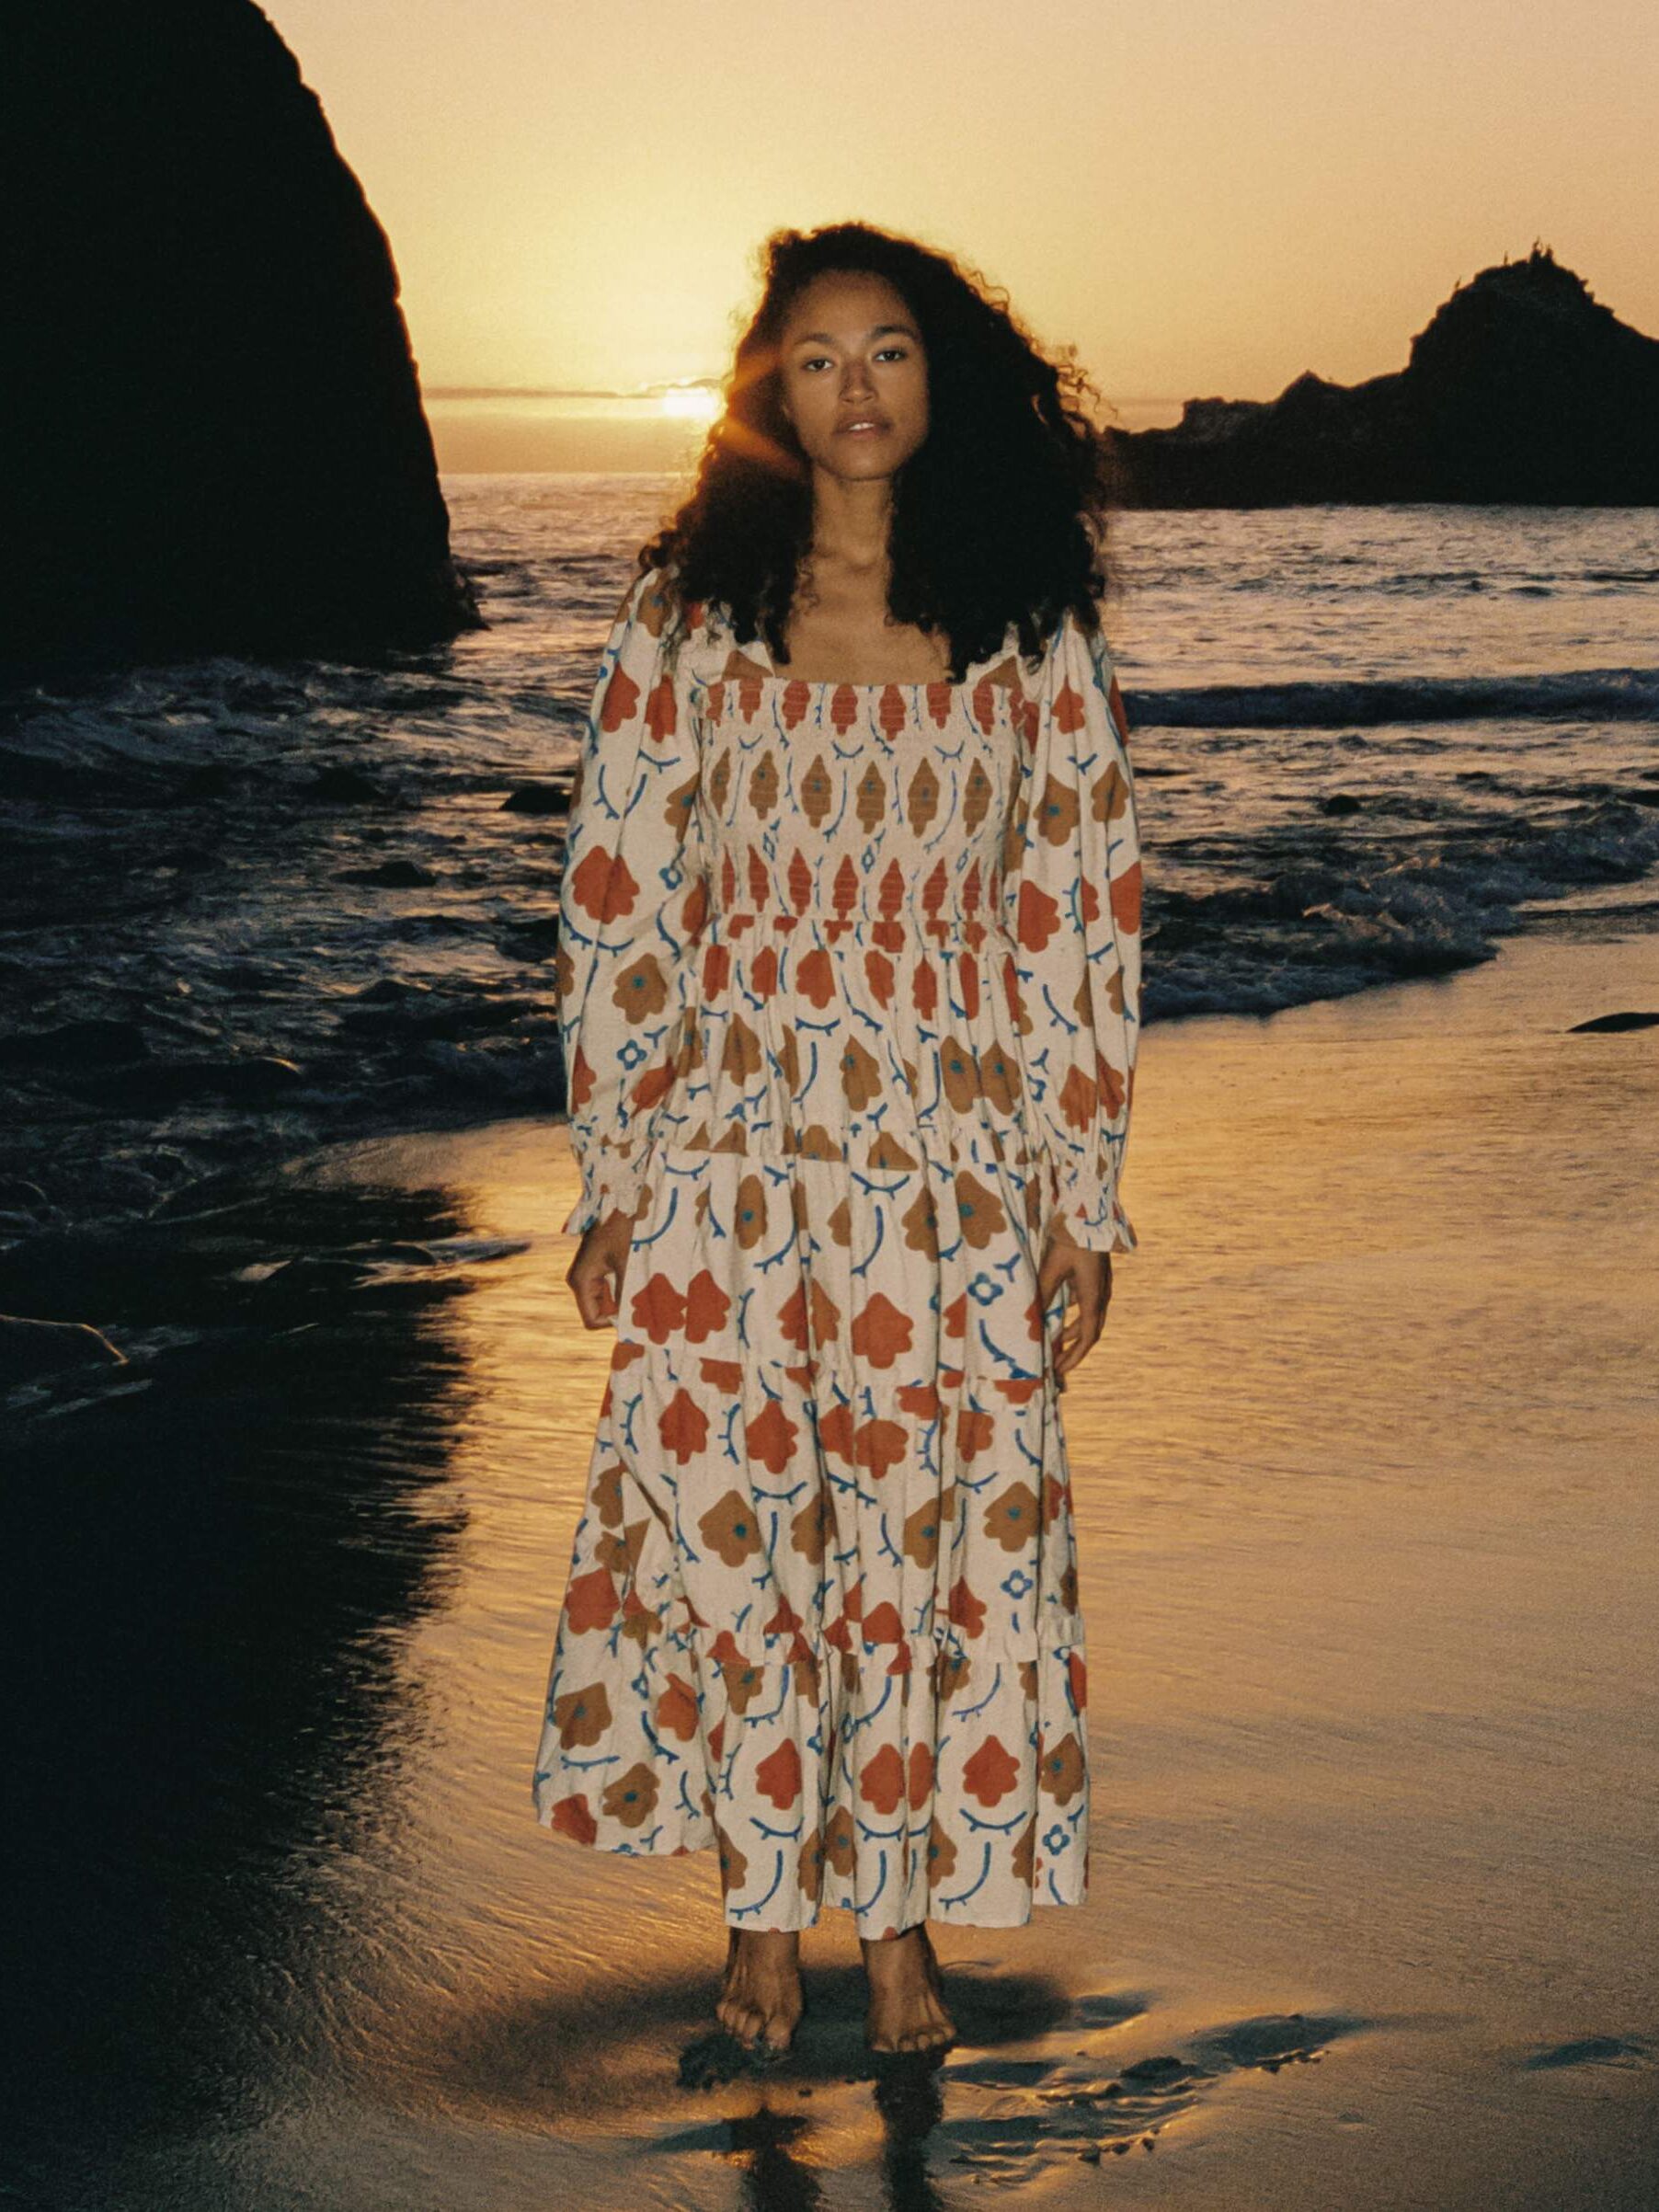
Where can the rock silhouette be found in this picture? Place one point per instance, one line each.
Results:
(1522, 387)
(213, 436)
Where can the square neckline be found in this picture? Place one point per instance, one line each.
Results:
(975, 676)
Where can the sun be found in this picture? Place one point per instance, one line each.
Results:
(693, 403)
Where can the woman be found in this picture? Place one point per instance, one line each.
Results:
(849, 982)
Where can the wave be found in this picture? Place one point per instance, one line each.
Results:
(1324, 928)
(1583, 694)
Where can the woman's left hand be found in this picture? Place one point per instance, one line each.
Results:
(1090, 1276)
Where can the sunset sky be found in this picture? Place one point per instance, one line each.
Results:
(1205, 196)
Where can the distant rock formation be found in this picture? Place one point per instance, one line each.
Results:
(211, 437)
(1522, 387)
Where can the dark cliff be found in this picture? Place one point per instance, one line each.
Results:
(1522, 387)
(211, 437)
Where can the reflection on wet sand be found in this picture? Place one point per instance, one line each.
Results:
(213, 1554)
(1370, 1576)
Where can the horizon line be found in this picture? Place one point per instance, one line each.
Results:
(656, 390)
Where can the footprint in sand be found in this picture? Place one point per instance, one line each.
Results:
(1626, 2051)
(1040, 2110)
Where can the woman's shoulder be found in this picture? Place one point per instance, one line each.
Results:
(655, 604)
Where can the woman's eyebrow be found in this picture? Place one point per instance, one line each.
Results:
(823, 337)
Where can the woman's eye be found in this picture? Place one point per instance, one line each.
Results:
(893, 353)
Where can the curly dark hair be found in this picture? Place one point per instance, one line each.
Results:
(999, 517)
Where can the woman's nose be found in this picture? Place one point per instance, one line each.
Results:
(855, 380)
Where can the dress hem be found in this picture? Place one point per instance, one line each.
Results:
(745, 1916)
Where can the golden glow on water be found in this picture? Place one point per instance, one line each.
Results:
(696, 403)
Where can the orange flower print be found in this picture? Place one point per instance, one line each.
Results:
(807, 1531)
(815, 978)
(1024, 1854)
(818, 793)
(607, 1494)
(922, 798)
(1056, 813)
(1080, 1099)
(632, 1797)
(961, 1073)
(602, 886)
(771, 1436)
(979, 1211)
(590, 1600)
(879, 1445)
(731, 1529)
(839, 1840)
(1109, 799)
(881, 1331)
(641, 989)
(621, 697)
(581, 1716)
(571, 1817)
(797, 699)
(1038, 916)
(740, 1052)
(1061, 1769)
(657, 1308)
(991, 1773)
(743, 1683)
(1000, 1079)
(751, 1224)
(921, 1535)
(881, 1780)
(976, 1432)
(861, 1075)
(778, 1776)
(683, 1428)
(965, 1610)
(1012, 1517)
(706, 1307)
(1126, 899)
(677, 1709)
(872, 797)
(920, 1776)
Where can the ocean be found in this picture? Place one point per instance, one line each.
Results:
(249, 907)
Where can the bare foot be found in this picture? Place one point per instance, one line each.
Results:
(907, 1997)
(760, 1992)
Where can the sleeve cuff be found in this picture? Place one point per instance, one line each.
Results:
(1093, 1217)
(616, 1189)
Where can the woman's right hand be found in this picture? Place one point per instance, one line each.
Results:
(596, 1273)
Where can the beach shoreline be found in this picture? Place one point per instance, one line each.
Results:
(1370, 1582)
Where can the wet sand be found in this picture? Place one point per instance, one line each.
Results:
(1372, 1594)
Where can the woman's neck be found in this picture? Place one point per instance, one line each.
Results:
(849, 520)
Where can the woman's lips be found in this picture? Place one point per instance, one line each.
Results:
(863, 426)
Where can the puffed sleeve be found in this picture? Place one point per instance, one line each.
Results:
(1071, 885)
(632, 902)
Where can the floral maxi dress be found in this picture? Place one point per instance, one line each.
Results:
(849, 992)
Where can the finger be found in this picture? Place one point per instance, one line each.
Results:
(1077, 1334)
(1091, 1313)
(592, 1295)
(1063, 1338)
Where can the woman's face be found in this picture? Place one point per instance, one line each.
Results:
(854, 375)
